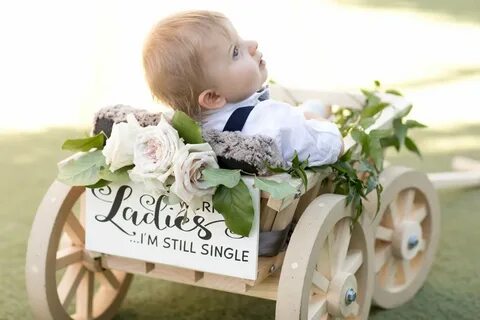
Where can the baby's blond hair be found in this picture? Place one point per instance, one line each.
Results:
(172, 61)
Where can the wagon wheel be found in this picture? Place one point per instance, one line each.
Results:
(63, 280)
(407, 231)
(328, 269)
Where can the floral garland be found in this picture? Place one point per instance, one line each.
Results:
(172, 159)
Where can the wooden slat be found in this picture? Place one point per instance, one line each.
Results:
(305, 200)
(267, 289)
(267, 215)
(126, 264)
(285, 216)
(176, 274)
(267, 266)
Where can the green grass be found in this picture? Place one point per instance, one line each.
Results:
(28, 166)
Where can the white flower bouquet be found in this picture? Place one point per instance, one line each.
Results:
(168, 159)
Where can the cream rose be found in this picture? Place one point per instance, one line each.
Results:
(187, 169)
(118, 150)
(154, 151)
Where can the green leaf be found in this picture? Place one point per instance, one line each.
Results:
(414, 124)
(235, 204)
(380, 133)
(85, 144)
(371, 184)
(215, 177)
(277, 190)
(119, 175)
(99, 184)
(277, 169)
(394, 92)
(377, 83)
(187, 128)
(82, 171)
(372, 109)
(400, 130)
(412, 146)
(376, 153)
(366, 122)
(404, 112)
(390, 141)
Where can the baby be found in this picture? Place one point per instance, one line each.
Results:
(196, 62)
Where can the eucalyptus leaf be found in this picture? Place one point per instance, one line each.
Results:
(400, 130)
(187, 128)
(380, 133)
(414, 124)
(277, 190)
(374, 109)
(82, 170)
(101, 183)
(119, 176)
(85, 144)
(235, 205)
(412, 146)
(366, 122)
(215, 177)
(393, 91)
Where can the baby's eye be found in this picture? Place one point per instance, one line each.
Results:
(235, 52)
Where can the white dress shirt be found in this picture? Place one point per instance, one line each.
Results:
(319, 141)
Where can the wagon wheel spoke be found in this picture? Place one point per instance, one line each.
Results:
(407, 270)
(107, 278)
(353, 261)
(407, 198)
(422, 245)
(317, 307)
(384, 233)
(69, 283)
(68, 256)
(395, 213)
(382, 255)
(339, 247)
(74, 229)
(390, 273)
(354, 309)
(84, 297)
(419, 213)
(323, 263)
(320, 281)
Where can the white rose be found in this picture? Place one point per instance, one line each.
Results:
(118, 150)
(188, 166)
(154, 151)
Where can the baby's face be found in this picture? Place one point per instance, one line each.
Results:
(234, 67)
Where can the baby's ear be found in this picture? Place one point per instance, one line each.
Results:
(209, 99)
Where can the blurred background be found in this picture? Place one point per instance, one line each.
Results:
(62, 60)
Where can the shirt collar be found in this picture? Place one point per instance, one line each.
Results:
(256, 97)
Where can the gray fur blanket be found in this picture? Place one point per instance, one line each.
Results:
(252, 154)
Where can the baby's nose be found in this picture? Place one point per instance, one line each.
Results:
(252, 46)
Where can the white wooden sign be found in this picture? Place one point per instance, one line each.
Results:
(124, 220)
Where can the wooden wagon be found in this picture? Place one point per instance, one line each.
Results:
(327, 271)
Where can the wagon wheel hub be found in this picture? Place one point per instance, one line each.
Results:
(406, 240)
(342, 294)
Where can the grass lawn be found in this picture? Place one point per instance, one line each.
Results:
(28, 166)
